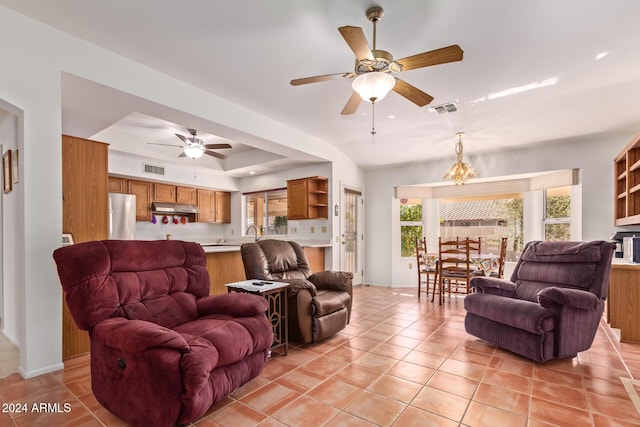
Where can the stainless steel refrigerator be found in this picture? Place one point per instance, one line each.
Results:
(122, 216)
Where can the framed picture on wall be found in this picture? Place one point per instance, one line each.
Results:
(7, 180)
(14, 166)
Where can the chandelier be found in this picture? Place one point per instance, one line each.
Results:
(460, 172)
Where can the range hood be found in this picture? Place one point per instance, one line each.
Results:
(173, 208)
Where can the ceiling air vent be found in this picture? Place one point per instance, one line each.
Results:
(448, 107)
(158, 170)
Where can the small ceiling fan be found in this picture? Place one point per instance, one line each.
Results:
(195, 147)
(379, 65)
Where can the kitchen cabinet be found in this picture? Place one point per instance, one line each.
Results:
(186, 195)
(117, 185)
(214, 206)
(623, 301)
(222, 207)
(85, 214)
(206, 206)
(142, 191)
(308, 198)
(626, 183)
(164, 193)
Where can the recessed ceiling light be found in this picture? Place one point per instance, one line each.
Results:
(391, 116)
(601, 55)
(252, 172)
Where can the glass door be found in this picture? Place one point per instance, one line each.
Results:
(352, 236)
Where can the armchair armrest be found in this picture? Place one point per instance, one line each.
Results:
(575, 298)
(232, 304)
(332, 280)
(492, 285)
(297, 285)
(135, 336)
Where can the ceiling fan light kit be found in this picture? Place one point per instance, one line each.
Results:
(194, 151)
(460, 172)
(373, 87)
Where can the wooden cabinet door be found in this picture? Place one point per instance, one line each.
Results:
(117, 185)
(164, 193)
(85, 202)
(223, 207)
(206, 202)
(186, 195)
(142, 191)
(85, 214)
(297, 200)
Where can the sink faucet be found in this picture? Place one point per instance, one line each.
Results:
(255, 232)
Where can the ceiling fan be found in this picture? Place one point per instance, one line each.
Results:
(195, 147)
(374, 68)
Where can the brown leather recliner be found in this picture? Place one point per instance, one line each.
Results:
(319, 305)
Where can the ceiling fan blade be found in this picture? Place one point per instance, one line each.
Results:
(217, 146)
(182, 154)
(214, 154)
(354, 36)
(352, 104)
(182, 138)
(167, 145)
(434, 57)
(412, 93)
(316, 79)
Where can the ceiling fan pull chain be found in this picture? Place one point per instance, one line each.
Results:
(373, 119)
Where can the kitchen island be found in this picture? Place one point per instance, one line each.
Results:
(224, 261)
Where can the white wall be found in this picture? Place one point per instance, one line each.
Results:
(30, 79)
(592, 154)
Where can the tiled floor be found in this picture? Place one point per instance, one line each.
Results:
(9, 357)
(400, 362)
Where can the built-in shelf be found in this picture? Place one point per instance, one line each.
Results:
(627, 184)
(308, 198)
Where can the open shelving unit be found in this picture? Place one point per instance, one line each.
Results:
(627, 184)
(308, 198)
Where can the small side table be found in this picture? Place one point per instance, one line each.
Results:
(276, 295)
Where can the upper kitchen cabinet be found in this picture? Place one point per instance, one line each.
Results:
(626, 183)
(186, 195)
(117, 185)
(142, 191)
(164, 193)
(223, 207)
(214, 206)
(308, 198)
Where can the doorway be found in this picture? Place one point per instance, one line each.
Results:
(352, 236)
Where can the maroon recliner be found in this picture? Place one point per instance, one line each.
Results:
(162, 350)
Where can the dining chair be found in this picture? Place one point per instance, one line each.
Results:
(502, 258)
(475, 245)
(454, 266)
(427, 269)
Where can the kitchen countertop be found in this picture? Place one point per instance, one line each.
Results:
(234, 245)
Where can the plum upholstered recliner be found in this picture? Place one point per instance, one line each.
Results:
(319, 305)
(162, 350)
(553, 304)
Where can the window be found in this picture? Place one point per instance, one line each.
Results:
(557, 214)
(267, 211)
(410, 225)
(490, 218)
